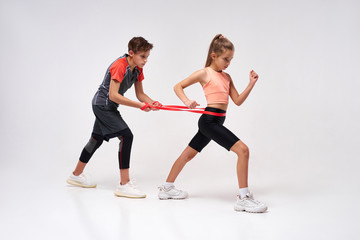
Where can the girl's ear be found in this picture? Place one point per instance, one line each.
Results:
(213, 55)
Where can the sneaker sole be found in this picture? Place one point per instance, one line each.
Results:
(261, 210)
(168, 197)
(79, 184)
(128, 196)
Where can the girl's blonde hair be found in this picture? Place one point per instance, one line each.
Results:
(218, 46)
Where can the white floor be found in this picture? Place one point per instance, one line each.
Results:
(37, 205)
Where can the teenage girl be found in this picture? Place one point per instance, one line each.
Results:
(218, 86)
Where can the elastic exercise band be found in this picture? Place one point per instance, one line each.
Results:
(183, 108)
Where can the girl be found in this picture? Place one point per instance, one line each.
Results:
(218, 86)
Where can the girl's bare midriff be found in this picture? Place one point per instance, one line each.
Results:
(219, 106)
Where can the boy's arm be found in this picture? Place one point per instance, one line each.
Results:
(139, 91)
(237, 98)
(118, 98)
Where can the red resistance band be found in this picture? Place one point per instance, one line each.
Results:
(183, 108)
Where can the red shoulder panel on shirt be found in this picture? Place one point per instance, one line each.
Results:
(118, 69)
(141, 74)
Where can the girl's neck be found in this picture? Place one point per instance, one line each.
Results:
(215, 68)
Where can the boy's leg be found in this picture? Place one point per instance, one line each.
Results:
(126, 138)
(79, 168)
(89, 149)
(77, 178)
(124, 176)
(126, 188)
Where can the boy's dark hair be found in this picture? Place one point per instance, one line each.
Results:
(139, 44)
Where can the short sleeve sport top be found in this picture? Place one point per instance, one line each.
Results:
(120, 71)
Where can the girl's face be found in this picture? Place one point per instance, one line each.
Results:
(139, 58)
(222, 61)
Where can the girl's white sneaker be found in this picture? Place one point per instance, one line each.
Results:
(171, 193)
(129, 190)
(249, 204)
(82, 181)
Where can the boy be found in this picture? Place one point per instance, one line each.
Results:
(120, 76)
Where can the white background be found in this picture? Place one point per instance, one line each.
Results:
(301, 121)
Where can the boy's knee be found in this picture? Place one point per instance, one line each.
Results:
(127, 135)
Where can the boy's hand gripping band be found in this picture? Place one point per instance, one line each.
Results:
(145, 106)
(160, 105)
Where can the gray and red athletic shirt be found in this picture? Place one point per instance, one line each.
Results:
(120, 71)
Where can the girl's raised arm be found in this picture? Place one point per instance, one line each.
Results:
(237, 98)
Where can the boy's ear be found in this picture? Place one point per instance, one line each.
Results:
(131, 53)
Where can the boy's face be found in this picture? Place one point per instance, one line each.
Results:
(139, 58)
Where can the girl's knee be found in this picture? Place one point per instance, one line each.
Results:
(240, 148)
(189, 154)
(188, 157)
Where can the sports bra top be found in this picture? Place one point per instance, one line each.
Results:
(217, 89)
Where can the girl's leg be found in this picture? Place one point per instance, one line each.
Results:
(197, 143)
(213, 128)
(245, 201)
(188, 154)
(242, 152)
(168, 191)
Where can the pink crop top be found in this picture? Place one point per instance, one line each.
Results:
(217, 89)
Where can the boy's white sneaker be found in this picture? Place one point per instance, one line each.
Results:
(129, 190)
(249, 204)
(171, 193)
(82, 181)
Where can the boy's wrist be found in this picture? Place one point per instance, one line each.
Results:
(144, 106)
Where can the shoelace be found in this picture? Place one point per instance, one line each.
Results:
(250, 197)
(83, 176)
(132, 183)
(162, 188)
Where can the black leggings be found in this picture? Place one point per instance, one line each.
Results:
(126, 139)
(211, 128)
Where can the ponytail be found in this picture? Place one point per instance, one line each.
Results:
(218, 46)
